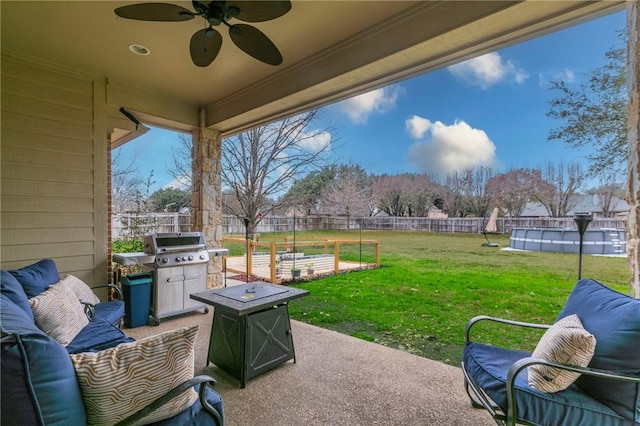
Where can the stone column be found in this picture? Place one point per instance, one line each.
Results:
(633, 114)
(206, 201)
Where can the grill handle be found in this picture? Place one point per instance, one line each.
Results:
(179, 249)
(181, 278)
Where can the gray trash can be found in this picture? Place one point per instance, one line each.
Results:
(136, 290)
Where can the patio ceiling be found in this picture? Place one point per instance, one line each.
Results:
(332, 50)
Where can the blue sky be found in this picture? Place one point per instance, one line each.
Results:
(488, 111)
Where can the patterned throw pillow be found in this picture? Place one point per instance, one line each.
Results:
(58, 313)
(119, 381)
(82, 291)
(566, 342)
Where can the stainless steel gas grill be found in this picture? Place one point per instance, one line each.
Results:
(179, 269)
(178, 263)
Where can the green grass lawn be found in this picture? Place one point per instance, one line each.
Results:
(429, 285)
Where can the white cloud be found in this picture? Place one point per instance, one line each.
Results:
(487, 70)
(566, 75)
(448, 148)
(417, 126)
(183, 182)
(315, 142)
(378, 101)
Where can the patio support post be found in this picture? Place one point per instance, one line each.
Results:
(633, 189)
(206, 200)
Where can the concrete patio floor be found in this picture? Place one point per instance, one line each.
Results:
(337, 380)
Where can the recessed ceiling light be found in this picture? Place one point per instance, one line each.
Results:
(139, 49)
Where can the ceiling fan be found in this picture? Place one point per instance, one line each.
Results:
(205, 43)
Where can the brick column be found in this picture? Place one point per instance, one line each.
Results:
(206, 201)
(633, 113)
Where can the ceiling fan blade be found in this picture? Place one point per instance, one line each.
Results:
(154, 12)
(259, 11)
(255, 43)
(205, 45)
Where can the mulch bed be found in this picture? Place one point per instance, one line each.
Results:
(243, 277)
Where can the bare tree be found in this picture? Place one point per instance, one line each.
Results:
(127, 187)
(564, 183)
(514, 189)
(349, 193)
(480, 201)
(392, 193)
(259, 165)
(454, 201)
(607, 191)
(465, 192)
(422, 195)
(180, 166)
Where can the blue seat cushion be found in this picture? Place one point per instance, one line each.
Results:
(488, 366)
(195, 415)
(614, 319)
(97, 336)
(38, 367)
(10, 287)
(37, 277)
(112, 311)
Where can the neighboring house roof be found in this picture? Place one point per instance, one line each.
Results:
(585, 203)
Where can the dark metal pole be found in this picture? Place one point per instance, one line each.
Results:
(582, 221)
(360, 221)
(246, 248)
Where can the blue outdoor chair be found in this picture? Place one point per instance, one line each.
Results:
(607, 391)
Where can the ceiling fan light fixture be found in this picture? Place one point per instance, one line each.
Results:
(206, 43)
(139, 49)
(232, 12)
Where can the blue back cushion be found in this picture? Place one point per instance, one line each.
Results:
(10, 287)
(37, 373)
(37, 277)
(614, 319)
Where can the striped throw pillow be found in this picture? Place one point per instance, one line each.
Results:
(119, 381)
(58, 313)
(566, 342)
(82, 291)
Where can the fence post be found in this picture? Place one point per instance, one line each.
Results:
(249, 257)
(377, 253)
(336, 257)
(272, 262)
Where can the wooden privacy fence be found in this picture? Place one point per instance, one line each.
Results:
(474, 225)
(137, 225)
(127, 225)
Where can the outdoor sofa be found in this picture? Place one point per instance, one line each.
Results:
(584, 371)
(59, 367)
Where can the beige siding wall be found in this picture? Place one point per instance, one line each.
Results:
(53, 170)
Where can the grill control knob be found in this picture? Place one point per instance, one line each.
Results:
(164, 260)
(178, 259)
(190, 257)
(184, 258)
(202, 257)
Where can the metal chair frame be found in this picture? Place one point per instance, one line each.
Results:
(479, 398)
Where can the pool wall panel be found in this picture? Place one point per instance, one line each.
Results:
(558, 240)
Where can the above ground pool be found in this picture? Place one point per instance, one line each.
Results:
(595, 241)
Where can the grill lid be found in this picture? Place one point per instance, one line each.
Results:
(172, 242)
